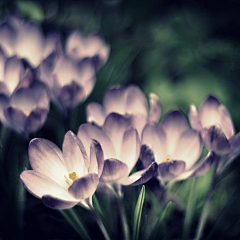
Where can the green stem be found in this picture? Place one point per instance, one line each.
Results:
(206, 207)
(100, 224)
(189, 210)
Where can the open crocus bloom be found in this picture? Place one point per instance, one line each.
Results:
(129, 102)
(175, 147)
(79, 46)
(121, 145)
(214, 123)
(64, 178)
(27, 109)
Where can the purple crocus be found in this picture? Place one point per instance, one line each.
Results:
(64, 178)
(121, 145)
(26, 110)
(23, 39)
(175, 147)
(214, 123)
(80, 46)
(129, 102)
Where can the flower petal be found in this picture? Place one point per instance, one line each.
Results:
(57, 203)
(96, 158)
(115, 126)
(155, 137)
(141, 177)
(215, 140)
(155, 108)
(189, 147)
(73, 155)
(194, 118)
(146, 155)
(113, 170)
(84, 187)
(130, 148)
(39, 185)
(169, 170)
(45, 157)
(95, 113)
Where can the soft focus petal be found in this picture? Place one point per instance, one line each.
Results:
(188, 148)
(6, 40)
(115, 127)
(154, 136)
(87, 132)
(57, 203)
(95, 113)
(155, 108)
(72, 154)
(36, 120)
(96, 158)
(84, 187)
(29, 43)
(146, 155)
(141, 177)
(215, 140)
(113, 170)
(169, 170)
(194, 118)
(130, 148)
(46, 158)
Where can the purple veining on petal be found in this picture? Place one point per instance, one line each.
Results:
(113, 170)
(146, 155)
(84, 187)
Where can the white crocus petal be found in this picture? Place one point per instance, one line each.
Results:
(46, 158)
(72, 154)
(130, 148)
(95, 113)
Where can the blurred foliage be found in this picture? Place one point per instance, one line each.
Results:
(180, 50)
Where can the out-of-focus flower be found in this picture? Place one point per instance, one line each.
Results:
(23, 39)
(26, 110)
(121, 145)
(175, 147)
(214, 123)
(71, 74)
(129, 102)
(79, 46)
(64, 178)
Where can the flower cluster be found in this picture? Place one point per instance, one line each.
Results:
(35, 69)
(123, 130)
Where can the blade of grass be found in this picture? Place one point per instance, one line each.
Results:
(138, 214)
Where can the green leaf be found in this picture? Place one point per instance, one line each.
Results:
(32, 10)
(138, 214)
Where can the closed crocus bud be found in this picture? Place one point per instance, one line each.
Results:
(72, 81)
(120, 143)
(64, 178)
(214, 123)
(27, 109)
(79, 46)
(174, 147)
(129, 102)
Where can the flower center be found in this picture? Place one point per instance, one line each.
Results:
(26, 112)
(71, 178)
(167, 158)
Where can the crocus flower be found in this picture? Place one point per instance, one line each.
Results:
(23, 39)
(120, 143)
(27, 109)
(175, 147)
(79, 46)
(64, 178)
(129, 102)
(214, 123)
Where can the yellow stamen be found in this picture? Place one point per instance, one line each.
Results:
(26, 112)
(167, 158)
(73, 176)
